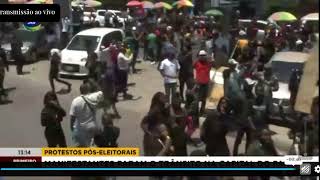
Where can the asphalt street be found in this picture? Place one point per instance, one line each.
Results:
(20, 120)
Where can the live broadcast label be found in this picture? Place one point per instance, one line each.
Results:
(24, 152)
(101, 152)
(29, 12)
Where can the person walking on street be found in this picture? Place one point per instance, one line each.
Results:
(152, 47)
(186, 71)
(215, 129)
(93, 67)
(16, 53)
(177, 130)
(108, 83)
(3, 67)
(136, 39)
(123, 65)
(202, 75)
(169, 69)
(83, 116)
(55, 60)
(51, 117)
(156, 140)
(65, 32)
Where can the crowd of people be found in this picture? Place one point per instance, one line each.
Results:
(169, 40)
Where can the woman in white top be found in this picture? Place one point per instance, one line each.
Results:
(123, 66)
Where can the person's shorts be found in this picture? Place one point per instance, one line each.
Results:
(203, 91)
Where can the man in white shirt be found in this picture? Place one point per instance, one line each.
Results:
(169, 69)
(123, 65)
(65, 31)
(83, 116)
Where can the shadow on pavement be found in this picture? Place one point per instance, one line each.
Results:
(73, 77)
(6, 102)
(63, 92)
(130, 99)
(7, 90)
(131, 84)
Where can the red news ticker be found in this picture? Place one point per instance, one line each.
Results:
(21, 159)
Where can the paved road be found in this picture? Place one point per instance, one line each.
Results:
(20, 121)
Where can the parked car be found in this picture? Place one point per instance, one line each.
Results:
(34, 44)
(74, 56)
(99, 17)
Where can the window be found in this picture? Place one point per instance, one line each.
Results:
(101, 13)
(81, 42)
(115, 36)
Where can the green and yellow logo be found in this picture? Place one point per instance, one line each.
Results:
(32, 26)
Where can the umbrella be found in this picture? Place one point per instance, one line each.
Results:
(147, 5)
(134, 3)
(17, 1)
(183, 3)
(214, 12)
(33, 2)
(163, 5)
(88, 3)
(36, 2)
(282, 16)
(311, 17)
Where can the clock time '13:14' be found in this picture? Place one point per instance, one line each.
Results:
(22, 152)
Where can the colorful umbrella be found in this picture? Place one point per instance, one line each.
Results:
(311, 17)
(183, 3)
(134, 3)
(88, 3)
(33, 2)
(147, 5)
(282, 16)
(36, 2)
(17, 1)
(163, 5)
(213, 12)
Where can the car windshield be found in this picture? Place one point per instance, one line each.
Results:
(81, 42)
(282, 70)
(119, 14)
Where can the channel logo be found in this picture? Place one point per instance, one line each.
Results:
(32, 26)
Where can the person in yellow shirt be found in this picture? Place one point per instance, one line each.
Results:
(243, 41)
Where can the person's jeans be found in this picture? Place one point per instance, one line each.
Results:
(55, 137)
(134, 59)
(170, 90)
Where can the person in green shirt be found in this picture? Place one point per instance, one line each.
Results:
(152, 46)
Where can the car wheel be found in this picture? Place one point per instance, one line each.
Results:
(97, 24)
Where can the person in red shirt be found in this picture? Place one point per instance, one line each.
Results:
(202, 69)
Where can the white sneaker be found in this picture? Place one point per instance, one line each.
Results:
(152, 62)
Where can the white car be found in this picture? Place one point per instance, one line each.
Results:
(100, 14)
(74, 56)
